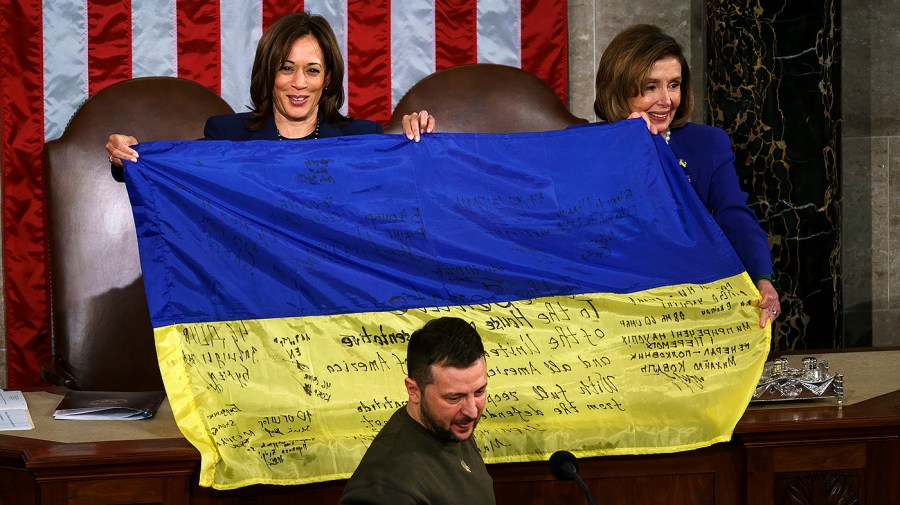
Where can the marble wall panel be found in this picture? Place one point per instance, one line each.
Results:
(886, 264)
(864, 205)
(879, 33)
(583, 58)
(773, 71)
(894, 230)
(887, 332)
(871, 39)
(883, 170)
(858, 25)
(886, 328)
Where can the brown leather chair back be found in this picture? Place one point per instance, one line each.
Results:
(102, 336)
(485, 98)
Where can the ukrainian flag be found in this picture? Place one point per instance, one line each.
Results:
(284, 279)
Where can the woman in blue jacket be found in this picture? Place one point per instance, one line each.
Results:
(296, 92)
(643, 73)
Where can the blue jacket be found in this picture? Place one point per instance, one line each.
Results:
(231, 127)
(710, 170)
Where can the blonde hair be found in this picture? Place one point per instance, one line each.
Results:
(625, 66)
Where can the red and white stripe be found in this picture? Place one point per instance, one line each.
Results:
(57, 54)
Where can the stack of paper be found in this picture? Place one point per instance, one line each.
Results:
(14, 413)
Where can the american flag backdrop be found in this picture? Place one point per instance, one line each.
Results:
(58, 53)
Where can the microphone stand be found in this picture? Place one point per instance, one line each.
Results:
(584, 489)
(564, 466)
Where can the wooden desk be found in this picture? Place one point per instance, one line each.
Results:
(806, 453)
(789, 455)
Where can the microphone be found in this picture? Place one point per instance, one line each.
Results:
(564, 466)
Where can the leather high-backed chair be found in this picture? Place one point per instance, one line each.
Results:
(101, 331)
(485, 98)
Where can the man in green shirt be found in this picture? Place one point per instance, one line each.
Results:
(425, 453)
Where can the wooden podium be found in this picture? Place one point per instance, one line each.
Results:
(786, 453)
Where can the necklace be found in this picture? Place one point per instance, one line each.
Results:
(314, 135)
(667, 135)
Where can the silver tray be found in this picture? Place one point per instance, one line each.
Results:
(811, 381)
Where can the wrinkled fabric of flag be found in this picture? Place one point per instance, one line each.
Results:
(284, 280)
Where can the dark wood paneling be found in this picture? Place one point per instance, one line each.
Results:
(777, 456)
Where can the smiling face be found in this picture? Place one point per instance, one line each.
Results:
(299, 82)
(451, 405)
(660, 93)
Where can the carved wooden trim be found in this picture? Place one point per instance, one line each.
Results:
(821, 489)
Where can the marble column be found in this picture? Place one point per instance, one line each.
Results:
(773, 82)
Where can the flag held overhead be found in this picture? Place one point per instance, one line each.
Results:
(283, 275)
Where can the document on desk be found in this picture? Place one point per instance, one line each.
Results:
(109, 405)
(14, 413)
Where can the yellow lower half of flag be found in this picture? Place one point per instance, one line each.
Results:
(298, 400)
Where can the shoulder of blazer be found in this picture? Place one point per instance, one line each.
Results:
(231, 127)
(353, 127)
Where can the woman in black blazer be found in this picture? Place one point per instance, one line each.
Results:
(296, 90)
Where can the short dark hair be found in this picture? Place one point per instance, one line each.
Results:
(445, 341)
(271, 52)
(625, 65)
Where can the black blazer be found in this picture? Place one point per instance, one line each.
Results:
(231, 127)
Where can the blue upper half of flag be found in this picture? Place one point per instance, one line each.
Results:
(262, 229)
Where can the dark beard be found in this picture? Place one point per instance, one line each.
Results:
(443, 434)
